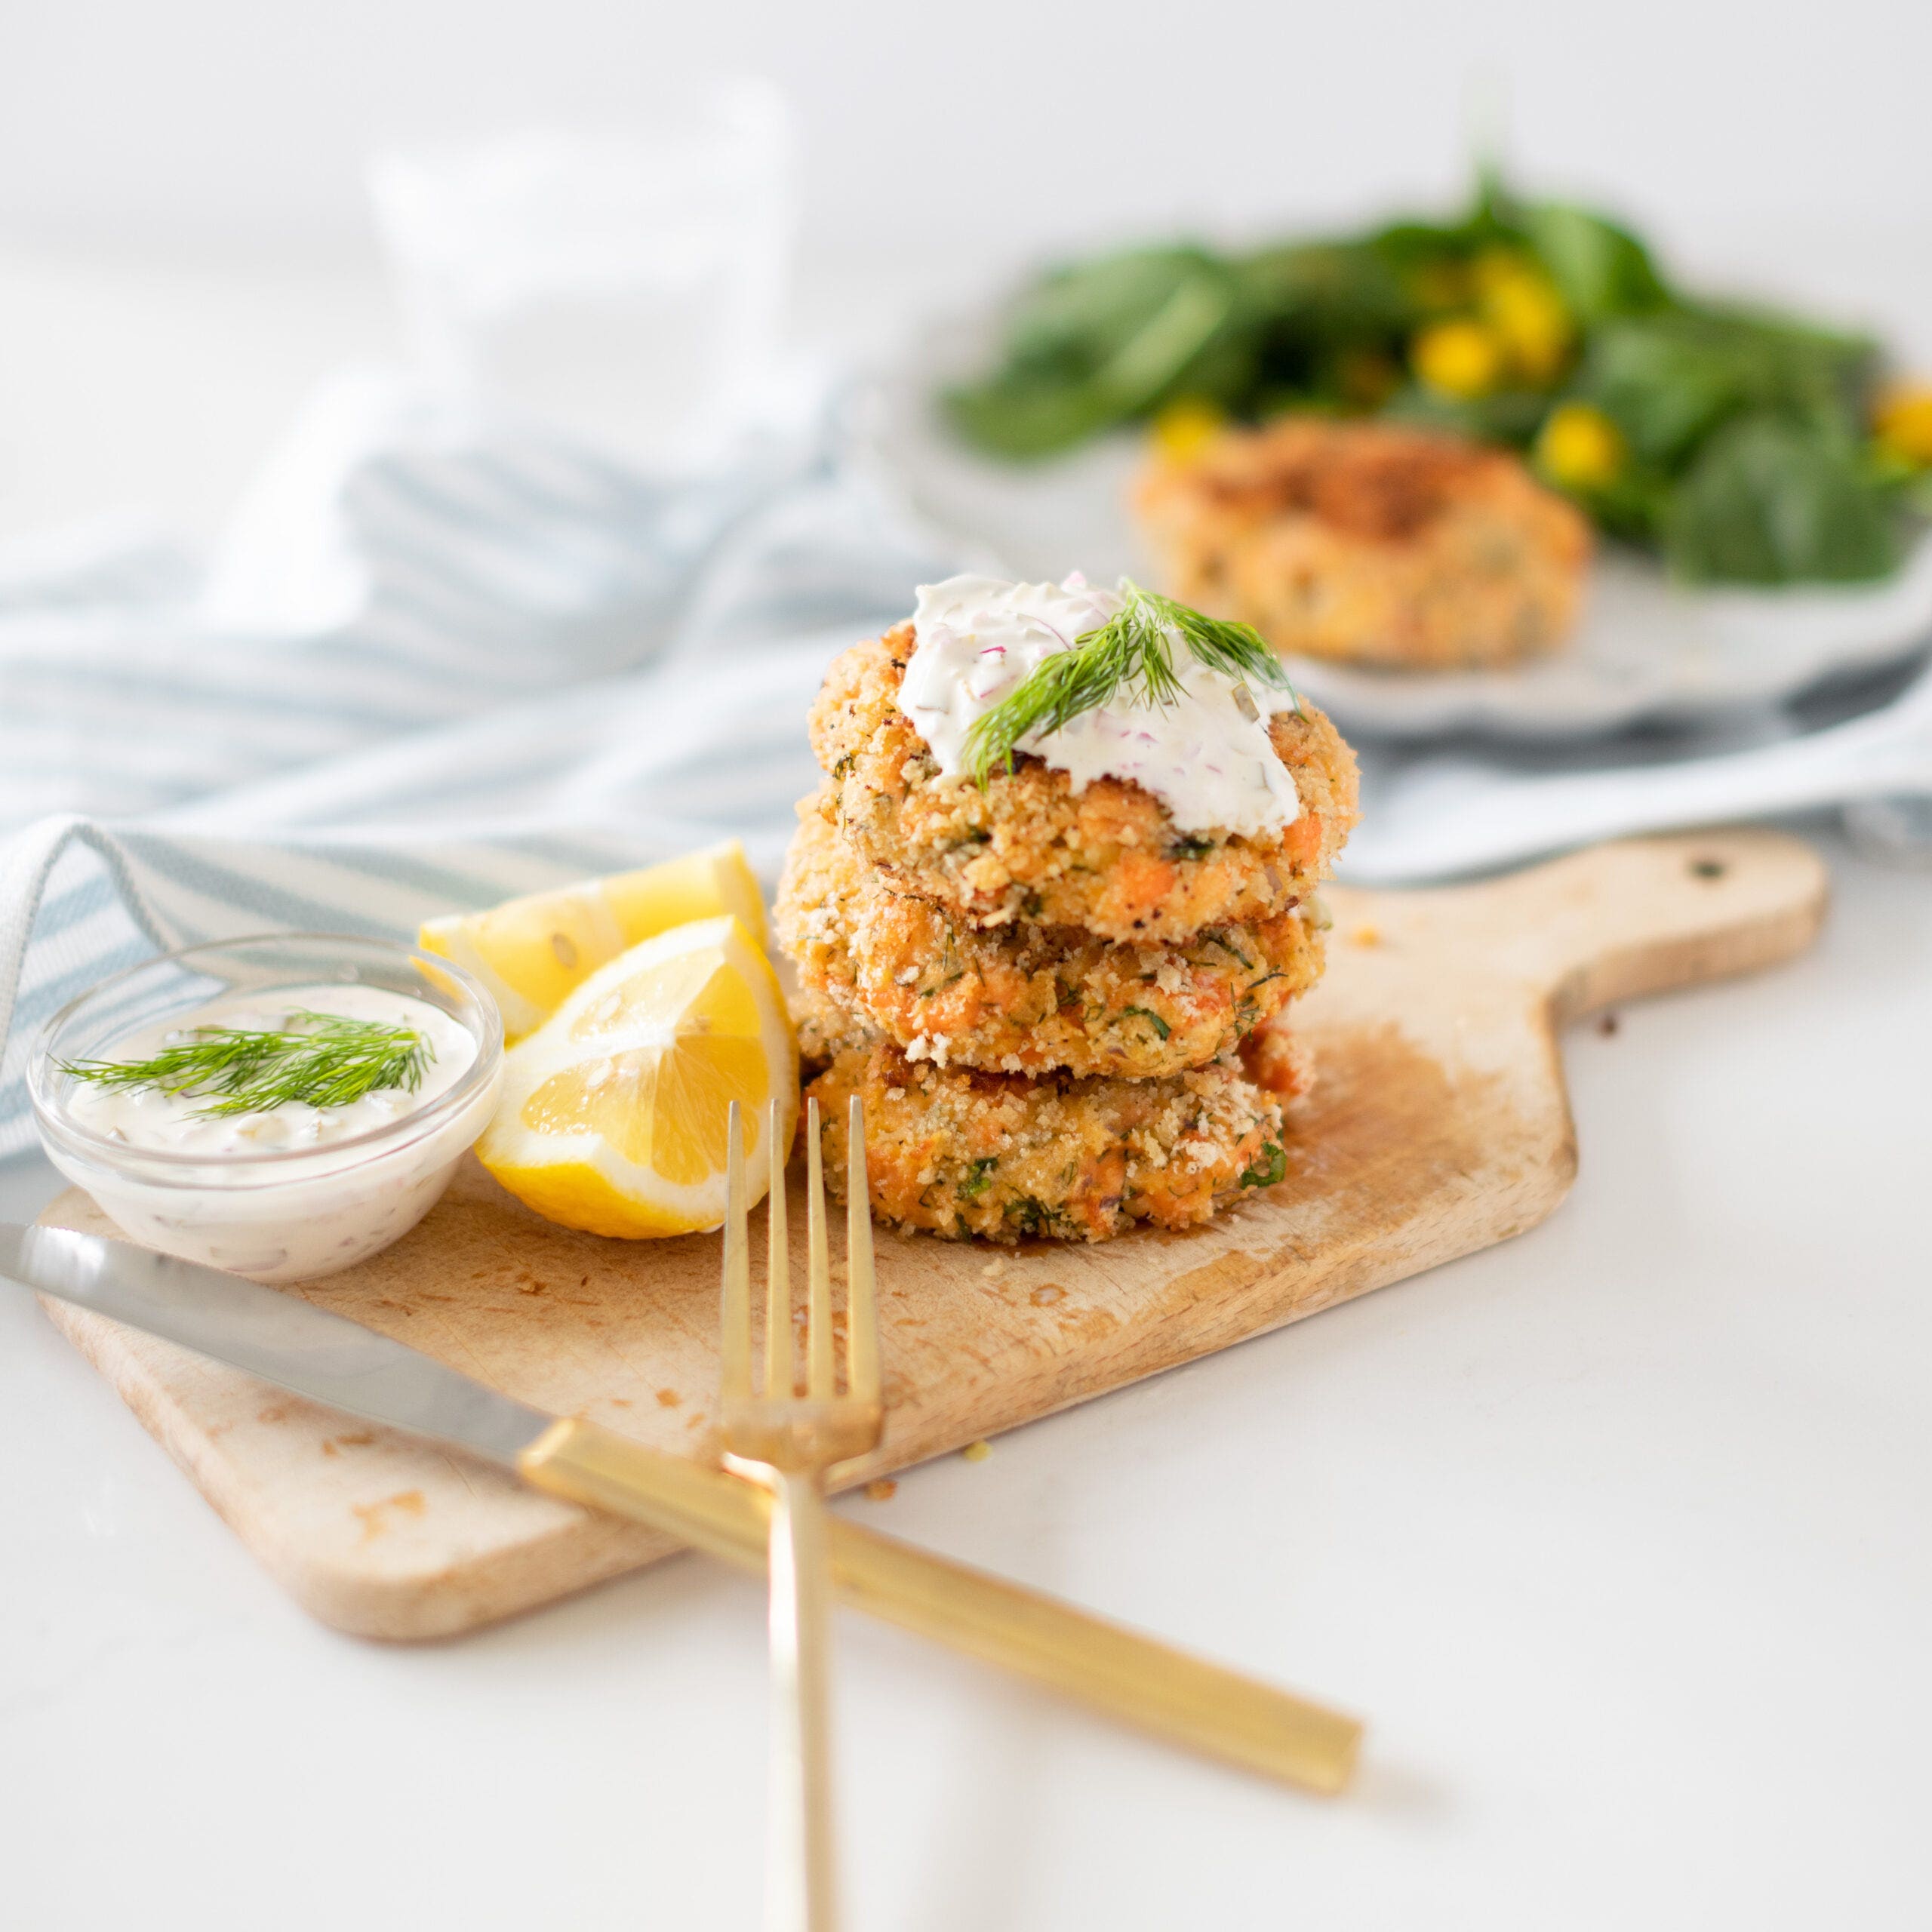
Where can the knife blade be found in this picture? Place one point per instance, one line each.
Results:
(275, 1334)
(280, 1337)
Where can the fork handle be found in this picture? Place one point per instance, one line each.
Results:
(801, 1870)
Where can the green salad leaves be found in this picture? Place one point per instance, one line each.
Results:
(1735, 443)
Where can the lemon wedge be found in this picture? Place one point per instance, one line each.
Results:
(533, 952)
(613, 1118)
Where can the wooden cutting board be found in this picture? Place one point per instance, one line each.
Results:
(1438, 1124)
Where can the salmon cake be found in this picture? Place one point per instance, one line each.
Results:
(1021, 998)
(959, 1153)
(1372, 542)
(1030, 846)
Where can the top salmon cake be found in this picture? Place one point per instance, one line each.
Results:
(1030, 846)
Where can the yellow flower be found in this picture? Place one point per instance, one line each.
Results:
(1903, 422)
(1185, 427)
(1580, 447)
(1496, 266)
(1531, 322)
(1458, 358)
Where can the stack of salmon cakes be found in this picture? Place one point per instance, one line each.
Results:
(1061, 1010)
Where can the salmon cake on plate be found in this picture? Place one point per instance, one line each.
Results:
(1376, 543)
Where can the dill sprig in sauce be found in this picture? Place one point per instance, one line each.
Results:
(1133, 652)
(322, 1059)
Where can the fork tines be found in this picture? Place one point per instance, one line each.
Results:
(779, 1371)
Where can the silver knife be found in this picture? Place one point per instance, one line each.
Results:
(334, 1361)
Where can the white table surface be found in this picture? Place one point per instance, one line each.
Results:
(1618, 1534)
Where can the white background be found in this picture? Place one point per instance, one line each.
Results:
(1617, 1535)
(1005, 122)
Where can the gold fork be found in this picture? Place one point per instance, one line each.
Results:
(789, 1442)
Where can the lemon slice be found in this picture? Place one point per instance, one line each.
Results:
(613, 1114)
(532, 953)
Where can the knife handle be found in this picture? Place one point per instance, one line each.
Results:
(1138, 1680)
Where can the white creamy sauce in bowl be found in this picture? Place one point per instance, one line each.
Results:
(280, 1193)
(1208, 760)
(145, 1117)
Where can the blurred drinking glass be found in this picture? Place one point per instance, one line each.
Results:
(627, 285)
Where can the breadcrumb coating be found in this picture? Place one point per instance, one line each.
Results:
(1020, 999)
(959, 1152)
(826, 1029)
(1272, 1056)
(1374, 542)
(1109, 858)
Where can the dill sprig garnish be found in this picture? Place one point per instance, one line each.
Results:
(329, 1061)
(1133, 652)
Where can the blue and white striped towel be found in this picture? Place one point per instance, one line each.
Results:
(436, 662)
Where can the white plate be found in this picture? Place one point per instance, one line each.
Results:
(1645, 650)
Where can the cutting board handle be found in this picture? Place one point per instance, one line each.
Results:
(1642, 914)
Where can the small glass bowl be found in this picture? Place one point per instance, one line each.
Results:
(278, 1214)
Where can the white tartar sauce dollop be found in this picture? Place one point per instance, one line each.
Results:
(1206, 759)
(345, 1180)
